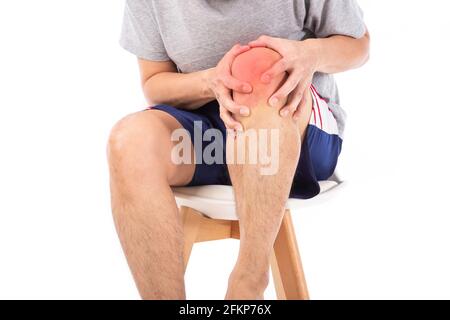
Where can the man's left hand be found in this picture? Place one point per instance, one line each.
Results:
(299, 60)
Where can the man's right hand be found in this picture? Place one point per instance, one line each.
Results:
(222, 83)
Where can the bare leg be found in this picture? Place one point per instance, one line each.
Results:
(260, 198)
(144, 208)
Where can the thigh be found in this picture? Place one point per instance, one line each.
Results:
(179, 174)
(143, 143)
(320, 150)
(207, 136)
(324, 142)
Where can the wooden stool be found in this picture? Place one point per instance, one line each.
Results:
(209, 214)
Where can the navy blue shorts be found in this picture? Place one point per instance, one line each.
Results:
(318, 158)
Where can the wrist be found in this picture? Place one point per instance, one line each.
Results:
(206, 79)
(316, 52)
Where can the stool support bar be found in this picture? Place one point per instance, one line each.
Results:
(287, 269)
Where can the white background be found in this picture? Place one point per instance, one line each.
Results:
(64, 81)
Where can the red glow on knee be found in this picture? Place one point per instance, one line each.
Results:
(249, 67)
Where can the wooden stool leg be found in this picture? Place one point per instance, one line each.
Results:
(287, 267)
(191, 226)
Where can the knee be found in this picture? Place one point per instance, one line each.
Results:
(119, 133)
(120, 137)
(249, 67)
(133, 138)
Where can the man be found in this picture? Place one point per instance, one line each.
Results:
(280, 83)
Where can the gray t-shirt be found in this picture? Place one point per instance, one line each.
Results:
(195, 34)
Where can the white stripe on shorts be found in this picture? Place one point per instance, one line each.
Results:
(321, 116)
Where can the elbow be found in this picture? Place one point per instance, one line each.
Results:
(363, 51)
(150, 94)
(151, 99)
(151, 102)
(366, 59)
(366, 55)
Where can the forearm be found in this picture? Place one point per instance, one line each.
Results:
(340, 53)
(185, 91)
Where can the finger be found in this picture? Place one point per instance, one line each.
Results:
(223, 95)
(257, 43)
(237, 50)
(294, 100)
(300, 108)
(228, 120)
(277, 69)
(282, 93)
(236, 85)
(226, 77)
(305, 91)
(264, 41)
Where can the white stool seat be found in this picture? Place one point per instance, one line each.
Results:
(217, 202)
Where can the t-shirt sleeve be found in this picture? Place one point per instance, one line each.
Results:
(326, 18)
(140, 32)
